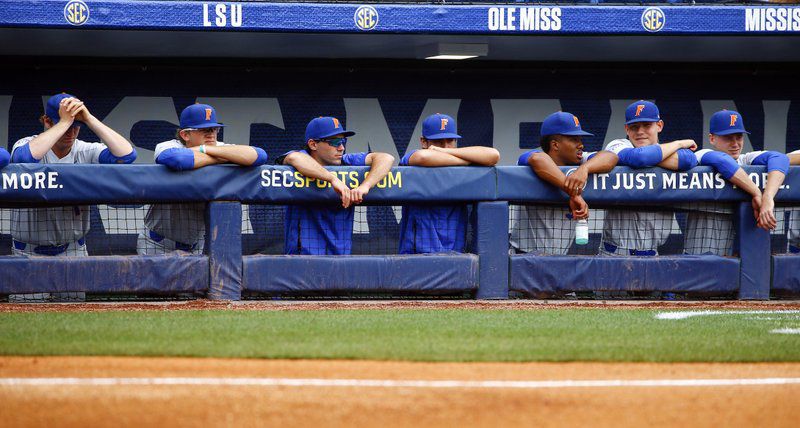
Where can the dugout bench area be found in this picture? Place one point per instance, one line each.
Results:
(229, 268)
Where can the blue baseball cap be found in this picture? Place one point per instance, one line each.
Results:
(642, 111)
(726, 122)
(51, 109)
(438, 126)
(562, 123)
(324, 127)
(199, 116)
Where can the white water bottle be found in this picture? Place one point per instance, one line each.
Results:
(582, 232)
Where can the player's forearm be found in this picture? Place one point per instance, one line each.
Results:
(601, 162)
(546, 169)
(202, 159)
(117, 144)
(742, 181)
(381, 164)
(45, 141)
(240, 155)
(774, 182)
(431, 158)
(307, 166)
(476, 155)
(669, 149)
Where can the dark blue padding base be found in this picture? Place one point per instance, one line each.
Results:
(544, 276)
(104, 274)
(786, 274)
(426, 274)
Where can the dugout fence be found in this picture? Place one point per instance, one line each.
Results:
(220, 234)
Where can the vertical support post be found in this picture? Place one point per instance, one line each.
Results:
(224, 244)
(755, 254)
(491, 244)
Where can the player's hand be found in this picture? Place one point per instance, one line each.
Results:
(64, 113)
(73, 105)
(357, 194)
(766, 214)
(83, 114)
(342, 190)
(689, 144)
(576, 181)
(579, 208)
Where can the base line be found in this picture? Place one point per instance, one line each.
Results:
(388, 383)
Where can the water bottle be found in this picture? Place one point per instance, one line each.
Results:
(582, 232)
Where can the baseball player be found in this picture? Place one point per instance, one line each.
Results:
(181, 227)
(328, 230)
(794, 218)
(709, 228)
(547, 229)
(435, 229)
(61, 231)
(639, 233)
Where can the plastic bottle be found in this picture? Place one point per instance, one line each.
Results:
(582, 232)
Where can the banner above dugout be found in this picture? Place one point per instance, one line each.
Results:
(526, 31)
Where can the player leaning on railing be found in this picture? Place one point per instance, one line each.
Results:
(328, 230)
(640, 233)
(181, 227)
(549, 229)
(709, 230)
(439, 228)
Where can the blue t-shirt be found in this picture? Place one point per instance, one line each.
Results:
(432, 228)
(319, 230)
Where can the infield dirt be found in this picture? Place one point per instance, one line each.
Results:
(143, 405)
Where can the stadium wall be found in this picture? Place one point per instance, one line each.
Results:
(489, 272)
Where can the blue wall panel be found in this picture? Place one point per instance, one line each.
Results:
(545, 276)
(109, 274)
(425, 274)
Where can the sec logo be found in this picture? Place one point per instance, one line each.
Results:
(653, 19)
(366, 18)
(76, 12)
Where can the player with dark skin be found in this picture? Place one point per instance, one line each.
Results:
(567, 150)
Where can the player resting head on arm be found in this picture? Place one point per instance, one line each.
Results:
(642, 149)
(196, 144)
(726, 135)
(561, 145)
(439, 228)
(439, 142)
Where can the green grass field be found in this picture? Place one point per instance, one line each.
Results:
(406, 334)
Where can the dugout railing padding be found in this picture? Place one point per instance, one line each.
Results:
(224, 272)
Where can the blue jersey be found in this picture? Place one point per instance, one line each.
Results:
(318, 230)
(432, 228)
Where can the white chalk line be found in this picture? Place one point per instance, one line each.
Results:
(681, 315)
(786, 331)
(390, 383)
